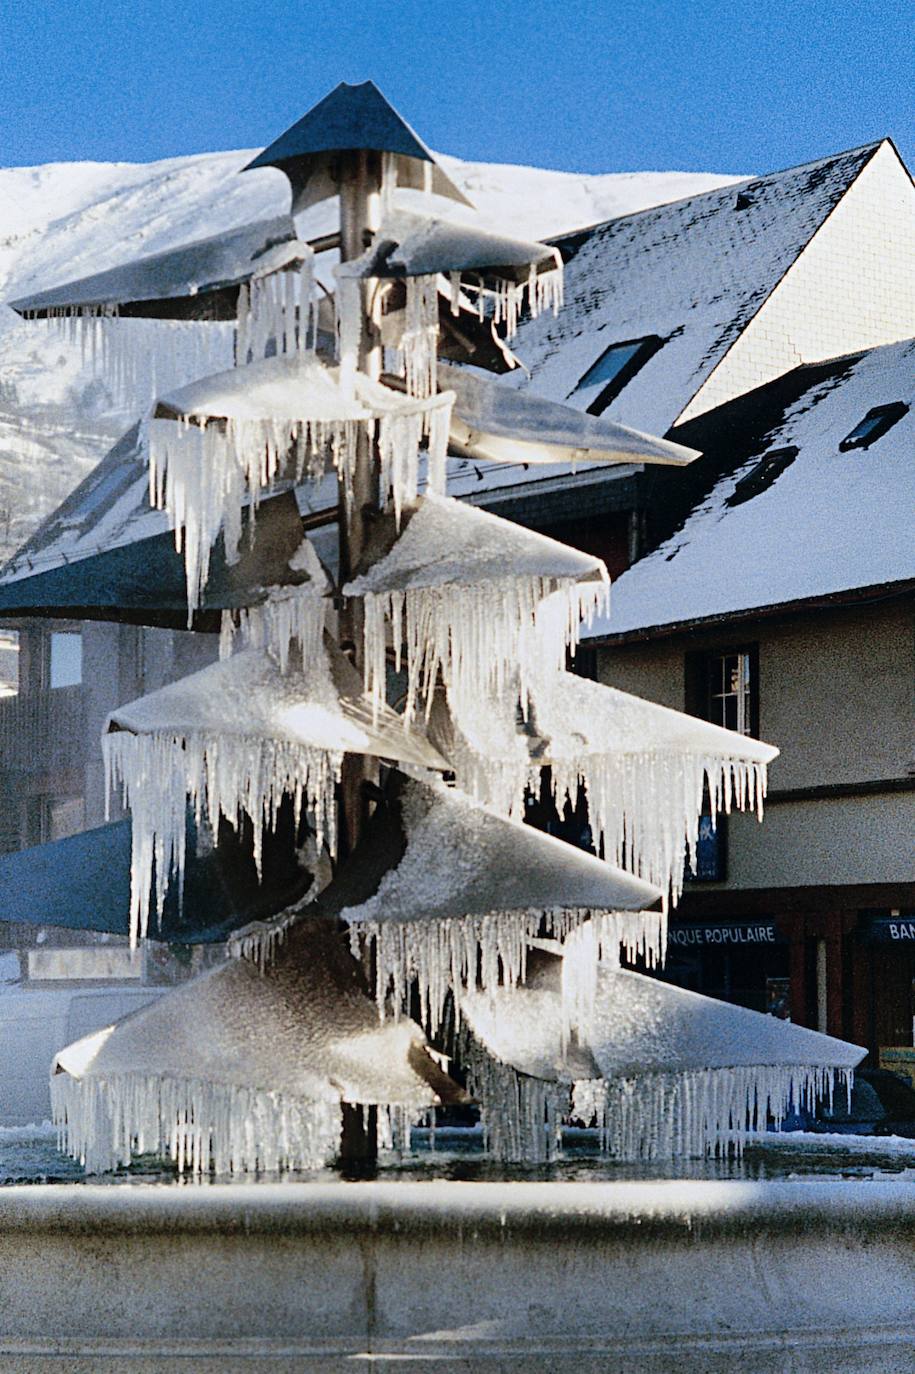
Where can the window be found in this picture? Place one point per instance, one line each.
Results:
(66, 659)
(614, 369)
(762, 476)
(874, 425)
(723, 687)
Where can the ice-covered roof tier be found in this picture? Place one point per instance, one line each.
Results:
(830, 521)
(505, 425)
(450, 890)
(244, 1069)
(664, 1071)
(235, 738)
(461, 588)
(646, 770)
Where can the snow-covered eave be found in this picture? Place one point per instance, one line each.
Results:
(599, 638)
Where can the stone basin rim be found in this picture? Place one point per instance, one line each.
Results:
(477, 1210)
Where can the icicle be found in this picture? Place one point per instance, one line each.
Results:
(419, 342)
(139, 359)
(521, 1116)
(698, 1111)
(288, 614)
(542, 290)
(400, 435)
(444, 956)
(275, 313)
(477, 635)
(201, 1126)
(223, 775)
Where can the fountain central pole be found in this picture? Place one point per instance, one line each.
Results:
(360, 180)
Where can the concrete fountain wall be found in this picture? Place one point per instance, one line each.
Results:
(685, 1276)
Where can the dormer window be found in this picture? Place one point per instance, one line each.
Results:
(760, 478)
(874, 425)
(614, 369)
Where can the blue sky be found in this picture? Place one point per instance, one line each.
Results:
(599, 85)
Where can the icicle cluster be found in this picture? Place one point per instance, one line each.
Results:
(480, 637)
(289, 614)
(698, 1111)
(448, 955)
(202, 474)
(543, 291)
(139, 359)
(644, 809)
(419, 342)
(222, 775)
(277, 314)
(521, 1116)
(200, 1126)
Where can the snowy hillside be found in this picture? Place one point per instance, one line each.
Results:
(67, 220)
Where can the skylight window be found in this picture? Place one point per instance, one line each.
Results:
(769, 468)
(874, 425)
(614, 369)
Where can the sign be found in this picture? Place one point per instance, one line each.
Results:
(710, 852)
(894, 930)
(737, 936)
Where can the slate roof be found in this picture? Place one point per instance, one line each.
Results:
(830, 522)
(693, 272)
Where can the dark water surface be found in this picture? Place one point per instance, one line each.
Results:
(29, 1154)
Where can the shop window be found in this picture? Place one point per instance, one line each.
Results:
(613, 370)
(874, 425)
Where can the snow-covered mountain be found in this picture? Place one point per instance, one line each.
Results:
(66, 220)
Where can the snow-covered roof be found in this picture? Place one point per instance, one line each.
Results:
(829, 522)
(692, 273)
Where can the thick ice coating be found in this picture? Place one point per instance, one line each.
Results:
(665, 1072)
(469, 890)
(242, 1069)
(646, 770)
(236, 737)
(461, 589)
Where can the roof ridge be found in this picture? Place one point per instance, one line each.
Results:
(587, 229)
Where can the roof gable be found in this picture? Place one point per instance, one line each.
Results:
(694, 272)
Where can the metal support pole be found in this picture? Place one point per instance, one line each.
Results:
(360, 181)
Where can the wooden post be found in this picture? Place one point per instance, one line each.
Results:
(360, 181)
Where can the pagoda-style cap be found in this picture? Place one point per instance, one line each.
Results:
(349, 119)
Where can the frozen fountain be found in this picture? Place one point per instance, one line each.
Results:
(440, 934)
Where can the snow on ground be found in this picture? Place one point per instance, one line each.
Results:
(66, 220)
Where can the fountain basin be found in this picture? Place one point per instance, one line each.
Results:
(685, 1275)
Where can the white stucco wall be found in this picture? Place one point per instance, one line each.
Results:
(853, 287)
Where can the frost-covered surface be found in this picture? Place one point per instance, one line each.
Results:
(235, 434)
(461, 588)
(235, 738)
(830, 522)
(241, 1068)
(67, 220)
(471, 891)
(505, 425)
(644, 767)
(693, 273)
(662, 1071)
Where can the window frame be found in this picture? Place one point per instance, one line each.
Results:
(648, 346)
(697, 682)
(884, 416)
